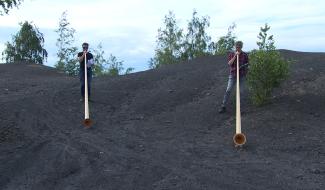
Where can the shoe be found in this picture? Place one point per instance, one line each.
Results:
(222, 109)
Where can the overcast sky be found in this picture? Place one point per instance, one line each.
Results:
(128, 28)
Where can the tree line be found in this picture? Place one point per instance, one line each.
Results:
(173, 45)
(27, 46)
(67, 52)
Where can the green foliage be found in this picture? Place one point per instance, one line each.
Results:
(8, 4)
(111, 66)
(267, 69)
(71, 67)
(173, 46)
(196, 40)
(169, 43)
(67, 52)
(128, 70)
(266, 42)
(100, 61)
(115, 67)
(27, 46)
(226, 43)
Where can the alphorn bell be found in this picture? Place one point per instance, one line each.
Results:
(239, 138)
(87, 122)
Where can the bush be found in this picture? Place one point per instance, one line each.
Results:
(267, 69)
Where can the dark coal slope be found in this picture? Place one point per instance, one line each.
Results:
(160, 129)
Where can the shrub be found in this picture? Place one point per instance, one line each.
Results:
(267, 69)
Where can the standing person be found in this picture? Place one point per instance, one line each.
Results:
(90, 63)
(243, 68)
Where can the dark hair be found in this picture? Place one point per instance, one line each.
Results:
(85, 44)
(239, 43)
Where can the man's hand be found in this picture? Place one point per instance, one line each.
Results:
(82, 57)
(231, 61)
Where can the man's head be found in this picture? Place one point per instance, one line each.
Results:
(239, 45)
(85, 46)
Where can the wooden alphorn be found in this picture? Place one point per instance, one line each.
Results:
(239, 138)
(87, 122)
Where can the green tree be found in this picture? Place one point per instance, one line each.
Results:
(27, 46)
(100, 62)
(226, 43)
(8, 4)
(110, 66)
(197, 41)
(115, 67)
(266, 42)
(267, 68)
(169, 43)
(67, 52)
(128, 70)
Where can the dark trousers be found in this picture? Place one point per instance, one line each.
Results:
(82, 81)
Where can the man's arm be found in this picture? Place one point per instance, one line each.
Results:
(231, 61)
(81, 58)
(245, 65)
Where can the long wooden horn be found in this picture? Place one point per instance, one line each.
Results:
(87, 122)
(239, 138)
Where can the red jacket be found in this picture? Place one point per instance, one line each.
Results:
(243, 59)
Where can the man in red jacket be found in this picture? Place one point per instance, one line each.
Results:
(243, 68)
